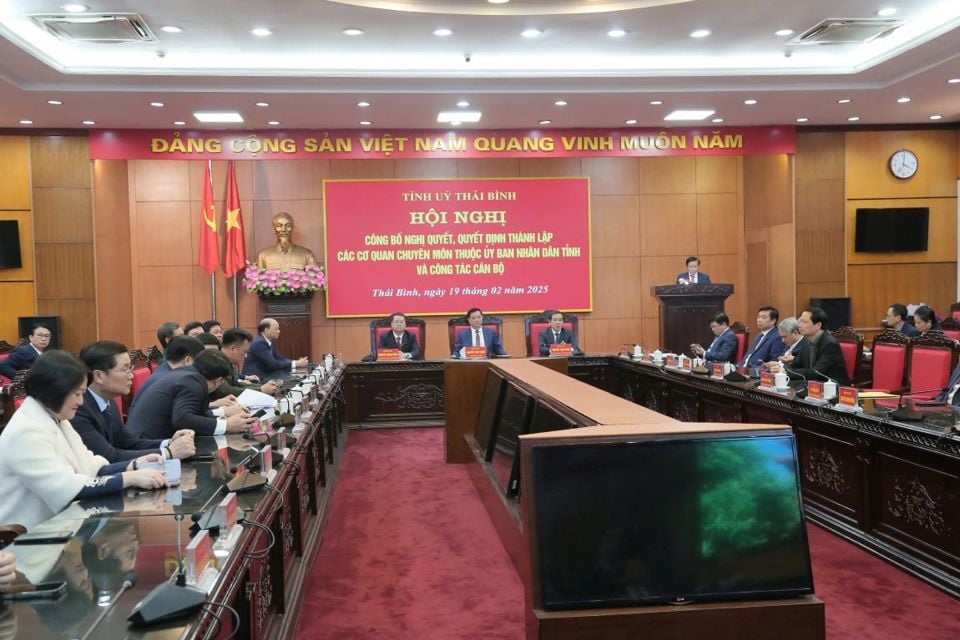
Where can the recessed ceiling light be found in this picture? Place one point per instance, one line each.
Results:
(26, 122)
(903, 99)
(366, 123)
(218, 116)
(802, 119)
(171, 29)
(75, 8)
(888, 11)
(717, 120)
(463, 104)
(363, 103)
(531, 33)
(844, 101)
(936, 116)
(750, 101)
(560, 103)
(459, 116)
(631, 121)
(443, 32)
(456, 123)
(156, 104)
(853, 118)
(783, 32)
(690, 114)
(616, 33)
(261, 32)
(545, 122)
(54, 102)
(656, 102)
(700, 33)
(273, 123)
(498, 1)
(89, 122)
(352, 31)
(953, 81)
(179, 123)
(263, 104)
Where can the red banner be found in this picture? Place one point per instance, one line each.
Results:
(209, 241)
(130, 144)
(439, 247)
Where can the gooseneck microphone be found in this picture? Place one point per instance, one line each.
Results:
(911, 415)
(123, 588)
(246, 481)
(204, 519)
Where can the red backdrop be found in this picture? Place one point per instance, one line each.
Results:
(431, 247)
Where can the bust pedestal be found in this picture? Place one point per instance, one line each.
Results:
(293, 312)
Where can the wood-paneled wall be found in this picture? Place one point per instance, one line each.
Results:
(877, 280)
(648, 215)
(64, 236)
(17, 288)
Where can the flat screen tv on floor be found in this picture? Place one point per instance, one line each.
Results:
(696, 518)
(892, 230)
(10, 245)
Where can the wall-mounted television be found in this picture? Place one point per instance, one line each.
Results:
(667, 519)
(892, 230)
(10, 245)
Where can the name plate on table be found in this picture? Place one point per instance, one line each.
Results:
(266, 459)
(849, 398)
(198, 555)
(228, 511)
(672, 361)
(687, 364)
(388, 354)
(814, 390)
(475, 353)
(768, 380)
(716, 370)
(560, 350)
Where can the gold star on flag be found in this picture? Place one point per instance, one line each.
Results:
(232, 218)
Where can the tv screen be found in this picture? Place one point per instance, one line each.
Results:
(10, 245)
(489, 411)
(514, 420)
(703, 518)
(891, 230)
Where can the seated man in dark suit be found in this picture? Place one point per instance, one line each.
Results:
(724, 345)
(823, 358)
(180, 400)
(23, 357)
(264, 359)
(180, 352)
(897, 320)
(950, 394)
(399, 338)
(767, 346)
(477, 335)
(795, 344)
(98, 421)
(692, 275)
(556, 333)
(167, 332)
(236, 343)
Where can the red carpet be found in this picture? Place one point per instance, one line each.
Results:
(409, 553)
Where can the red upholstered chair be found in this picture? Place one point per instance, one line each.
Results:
(460, 322)
(380, 326)
(889, 361)
(743, 339)
(12, 396)
(5, 349)
(931, 358)
(951, 328)
(955, 310)
(851, 343)
(141, 371)
(534, 324)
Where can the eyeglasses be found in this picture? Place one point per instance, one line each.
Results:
(123, 371)
(46, 336)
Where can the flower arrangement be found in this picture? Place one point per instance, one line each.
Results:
(277, 283)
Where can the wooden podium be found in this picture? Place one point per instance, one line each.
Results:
(293, 314)
(685, 312)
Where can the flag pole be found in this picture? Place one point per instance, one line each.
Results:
(213, 281)
(236, 314)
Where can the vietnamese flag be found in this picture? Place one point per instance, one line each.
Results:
(236, 257)
(209, 242)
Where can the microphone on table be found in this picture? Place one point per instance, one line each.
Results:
(203, 519)
(794, 372)
(123, 588)
(169, 600)
(912, 415)
(247, 480)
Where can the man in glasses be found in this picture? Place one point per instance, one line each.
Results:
(24, 356)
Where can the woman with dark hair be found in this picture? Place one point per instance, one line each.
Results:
(44, 465)
(925, 319)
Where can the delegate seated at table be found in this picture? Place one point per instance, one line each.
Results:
(556, 333)
(399, 338)
(477, 335)
(724, 345)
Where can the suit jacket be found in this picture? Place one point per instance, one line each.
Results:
(264, 360)
(822, 357)
(765, 348)
(909, 330)
(954, 381)
(723, 348)
(178, 400)
(408, 343)
(545, 339)
(231, 385)
(702, 278)
(162, 369)
(106, 436)
(20, 358)
(490, 339)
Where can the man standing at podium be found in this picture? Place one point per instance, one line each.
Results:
(692, 275)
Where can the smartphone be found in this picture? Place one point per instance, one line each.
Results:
(44, 537)
(42, 591)
(259, 414)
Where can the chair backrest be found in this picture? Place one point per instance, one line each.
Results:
(5, 349)
(534, 324)
(460, 322)
(851, 344)
(932, 357)
(951, 328)
(380, 326)
(743, 339)
(955, 310)
(154, 357)
(889, 360)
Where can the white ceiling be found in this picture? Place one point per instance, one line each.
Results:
(313, 75)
